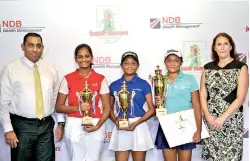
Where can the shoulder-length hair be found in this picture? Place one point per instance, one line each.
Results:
(215, 56)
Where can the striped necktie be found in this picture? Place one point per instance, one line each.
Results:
(39, 94)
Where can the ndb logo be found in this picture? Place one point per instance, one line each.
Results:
(10, 25)
(104, 62)
(17, 26)
(155, 23)
(109, 24)
(242, 57)
(169, 22)
(245, 133)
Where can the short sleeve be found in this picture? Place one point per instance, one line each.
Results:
(64, 86)
(146, 88)
(193, 84)
(104, 87)
(111, 88)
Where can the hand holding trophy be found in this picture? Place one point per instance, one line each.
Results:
(86, 97)
(124, 103)
(160, 89)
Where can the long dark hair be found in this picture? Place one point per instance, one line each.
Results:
(215, 56)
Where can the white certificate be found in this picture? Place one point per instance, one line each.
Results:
(180, 127)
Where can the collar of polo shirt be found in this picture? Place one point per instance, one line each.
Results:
(180, 75)
(133, 80)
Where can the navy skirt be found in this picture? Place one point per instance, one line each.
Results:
(161, 142)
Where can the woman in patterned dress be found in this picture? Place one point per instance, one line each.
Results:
(224, 86)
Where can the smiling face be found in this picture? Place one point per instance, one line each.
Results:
(84, 58)
(173, 63)
(222, 47)
(33, 48)
(129, 66)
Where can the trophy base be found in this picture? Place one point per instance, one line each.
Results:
(123, 125)
(161, 112)
(87, 120)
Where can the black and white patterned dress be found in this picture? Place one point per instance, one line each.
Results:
(221, 84)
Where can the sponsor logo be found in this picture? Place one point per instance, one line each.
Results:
(242, 57)
(94, 84)
(107, 137)
(104, 62)
(136, 89)
(109, 25)
(245, 133)
(155, 23)
(169, 22)
(193, 55)
(247, 28)
(8, 26)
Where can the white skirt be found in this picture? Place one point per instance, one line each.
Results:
(137, 140)
(83, 146)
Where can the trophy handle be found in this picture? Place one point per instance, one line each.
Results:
(132, 104)
(93, 102)
(165, 78)
(78, 94)
(165, 90)
(116, 104)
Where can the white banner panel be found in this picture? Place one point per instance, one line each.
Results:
(114, 27)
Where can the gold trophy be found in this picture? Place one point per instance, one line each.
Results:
(86, 97)
(160, 89)
(124, 103)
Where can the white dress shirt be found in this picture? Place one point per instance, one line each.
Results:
(17, 90)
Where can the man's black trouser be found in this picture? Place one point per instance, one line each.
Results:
(36, 139)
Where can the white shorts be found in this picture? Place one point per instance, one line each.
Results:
(83, 146)
(137, 140)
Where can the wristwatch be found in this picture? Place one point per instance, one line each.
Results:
(61, 123)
